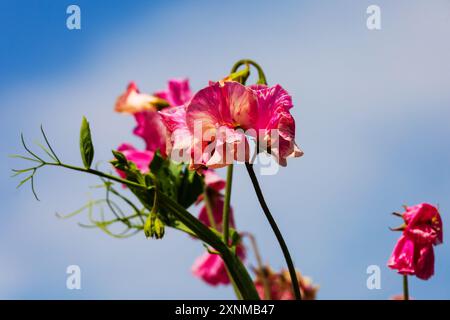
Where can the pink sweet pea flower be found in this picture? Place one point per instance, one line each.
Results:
(141, 159)
(133, 101)
(209, 129)
(414, 253)
(214, 116)
(210, 268)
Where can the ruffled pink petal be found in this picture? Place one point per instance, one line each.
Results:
(151, 128)
(229, 145)
(177, 93)
(133, 101)
(425, 214)
(425, 262)
(275, 124)
(222, 104)
(402, 258)
(423, 234)
(271, 100)
(179, 139)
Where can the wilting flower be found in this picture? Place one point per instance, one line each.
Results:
(140, 158)
(279, 285)
(413, 253)
(212, 128)
(211, 268)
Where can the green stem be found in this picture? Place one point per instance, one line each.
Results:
(276, 230)
(97, 173)
(405, 287)
(226, 206)
(213, 224)
(261, 75)
(209, 209)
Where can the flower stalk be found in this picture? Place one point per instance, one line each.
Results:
(276, 230)
(405, 287)
(226, 205)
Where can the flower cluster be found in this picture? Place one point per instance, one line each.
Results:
(187, 137)
(144, 107)
(206, 130)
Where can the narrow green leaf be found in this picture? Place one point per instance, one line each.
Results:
(86, 146)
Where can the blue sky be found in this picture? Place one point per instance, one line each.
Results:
(372, 110)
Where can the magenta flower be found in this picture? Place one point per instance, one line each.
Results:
(152, 130)
(140, 158)
(211, 268)
(212, 128)
(177, 92)
(414, 253)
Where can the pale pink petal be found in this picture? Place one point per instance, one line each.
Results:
(133, 101)
(229, 145)
(179, 138)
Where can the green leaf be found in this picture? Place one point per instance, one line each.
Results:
(86, 146)
(190, 187)
(166, 175)
(176, 180)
